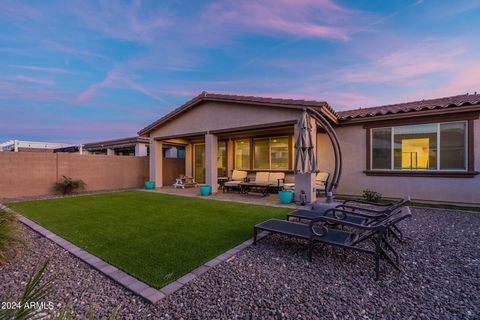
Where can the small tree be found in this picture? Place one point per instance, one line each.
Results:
(68, 185)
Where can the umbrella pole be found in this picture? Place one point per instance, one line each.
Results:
(336, 146)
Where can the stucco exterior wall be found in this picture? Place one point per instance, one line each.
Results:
(27, 174)
(216, 116)
(353, 180)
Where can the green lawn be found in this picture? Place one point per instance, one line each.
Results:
(154, 237)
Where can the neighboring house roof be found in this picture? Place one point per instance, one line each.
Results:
(206, 96)
(415, 106)
(116, 142)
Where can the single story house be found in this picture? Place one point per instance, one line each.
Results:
(131, 146)
(34, 146)
(428, 149)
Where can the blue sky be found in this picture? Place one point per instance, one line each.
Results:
(80, 71)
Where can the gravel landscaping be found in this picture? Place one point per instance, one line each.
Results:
(440, 279)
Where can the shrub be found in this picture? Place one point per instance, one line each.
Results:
(36, 290)
(372, 196)
(68, 185)
(9, 235)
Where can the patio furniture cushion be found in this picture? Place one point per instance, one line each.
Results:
(274, 177)
(262, 177)
(322, 177)
(238, 175)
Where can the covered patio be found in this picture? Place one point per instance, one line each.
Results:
(252, 198)
(223, 133)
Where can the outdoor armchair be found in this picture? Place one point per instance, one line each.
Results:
(238, 176)
(321, 182)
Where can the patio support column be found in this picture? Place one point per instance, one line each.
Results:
(211, 150)
(156, 163)
(306, 181)
(140, 149)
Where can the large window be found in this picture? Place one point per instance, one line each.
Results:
(425, 147)
(242, 154)
(271, 153)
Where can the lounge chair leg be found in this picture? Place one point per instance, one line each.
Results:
(255, 236)
(377, 256)
(310, 249)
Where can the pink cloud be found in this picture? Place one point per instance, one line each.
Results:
(41, 69)
(13, 91)
(114, 79)
(24, 78)
(305, 18)
(136, 23)
(403, 66)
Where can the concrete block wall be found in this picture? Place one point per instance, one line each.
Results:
(28, 174)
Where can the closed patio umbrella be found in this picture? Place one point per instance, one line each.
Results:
(305, 159)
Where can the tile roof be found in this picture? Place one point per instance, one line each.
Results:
(121, 141)
(431, 104)
(207, 96)
(415, 106)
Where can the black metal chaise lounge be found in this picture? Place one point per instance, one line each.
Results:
(318, 230)
(358, 214)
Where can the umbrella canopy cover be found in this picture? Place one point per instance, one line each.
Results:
(305, 159)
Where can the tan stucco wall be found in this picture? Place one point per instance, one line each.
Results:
(26, 174)
(217, 116)
(353, 180)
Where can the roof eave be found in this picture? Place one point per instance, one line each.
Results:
(410, 114)
(324, 108)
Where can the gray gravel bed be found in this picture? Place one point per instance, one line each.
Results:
(440, 279)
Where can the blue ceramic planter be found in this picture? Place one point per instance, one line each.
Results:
(149, 184)
(205, 190)
(285, 196)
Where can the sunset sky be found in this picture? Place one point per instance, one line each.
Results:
(80, 71)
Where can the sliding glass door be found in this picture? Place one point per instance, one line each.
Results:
(199, 162)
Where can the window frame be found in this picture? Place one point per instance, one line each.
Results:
(270, 152)
(252, 152)
(250, 164)
(468, 172)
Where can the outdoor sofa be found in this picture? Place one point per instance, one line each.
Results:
(264, 182)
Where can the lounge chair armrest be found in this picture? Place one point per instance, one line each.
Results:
(369, 203)
(360, 209)
(340, 213)
(341, 222)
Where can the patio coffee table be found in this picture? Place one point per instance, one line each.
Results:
(221, 181)
(246, 187)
